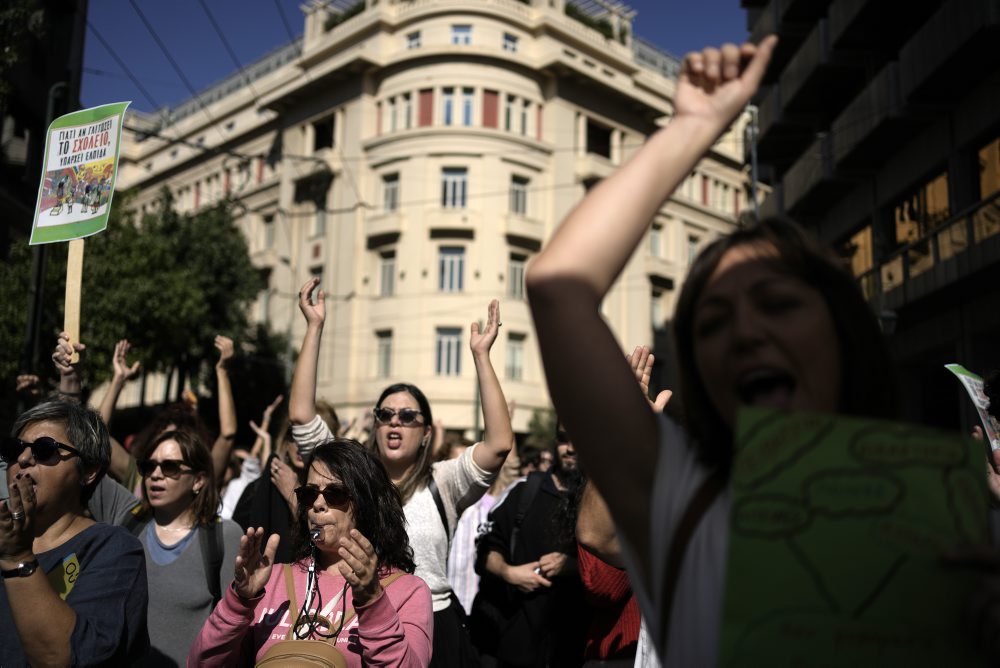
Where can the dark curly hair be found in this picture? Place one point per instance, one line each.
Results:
(375, 503)
(868, 386)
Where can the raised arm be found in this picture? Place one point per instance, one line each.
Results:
(227, 407)
(121, 373)
(302, 402)
(594, 393)
(499, 439)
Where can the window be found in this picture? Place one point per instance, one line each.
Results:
(509, 42)
(515, 356)
(508, 113)
(461, 34)
(451, 268)
(598, 139)
(319, 221)
(387, 274)
(985, 221)
(519, 195)
(467, 95)
(390, 192)
(656, 315)
(391, 110)
(525, 105)
(454, 182)
(413, 40)
(383, 353)
(922, 210)
(323, 133)
(448, 104)
(656, 240)
(515, 275)
(268, 231)
(407, 111)
(448, 351)
(692, 253)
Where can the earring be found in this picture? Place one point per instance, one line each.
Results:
(197, 491)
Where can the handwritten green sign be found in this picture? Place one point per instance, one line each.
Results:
(837, 529)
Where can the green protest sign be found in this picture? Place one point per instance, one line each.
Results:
(837, 530)
(79, 172)
(975, 387)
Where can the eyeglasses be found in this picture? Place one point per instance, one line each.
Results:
(43, 449)
(334, 495)
(562, 437)
(170, 468)
(407, 416)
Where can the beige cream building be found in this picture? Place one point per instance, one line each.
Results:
(416, 155)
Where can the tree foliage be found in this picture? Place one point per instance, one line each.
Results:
(168, 282)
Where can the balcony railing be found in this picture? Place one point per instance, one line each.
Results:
(949, 240)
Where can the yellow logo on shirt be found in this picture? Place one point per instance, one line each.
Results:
(63, 577)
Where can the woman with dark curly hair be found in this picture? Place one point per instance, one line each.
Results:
(352, 579)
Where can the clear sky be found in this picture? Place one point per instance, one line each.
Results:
(254, 27)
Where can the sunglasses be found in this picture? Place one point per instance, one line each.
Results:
(334, 495)
(562, 437)
(170, 468)
(42, 450)
(407, 416)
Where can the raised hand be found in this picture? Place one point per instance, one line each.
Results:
(224, 345)
(716, 84)
(481, 342)
(315, 313)
(641, 361)
(63, 354)
(359, 566)
(16, 535)
(253, 569)
(122, 370)
(29, 386)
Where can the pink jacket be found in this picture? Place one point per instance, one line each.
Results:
(394, 630)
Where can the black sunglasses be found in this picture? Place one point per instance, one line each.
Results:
(170, 468)
(407, 416)
(43, 449)
(562, 437)
(334, 495)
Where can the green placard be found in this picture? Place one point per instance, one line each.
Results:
(837, 529)
(80, 169)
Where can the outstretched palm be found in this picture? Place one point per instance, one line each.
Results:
(482, 341)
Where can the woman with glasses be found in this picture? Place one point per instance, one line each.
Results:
(401, 439)
(189, 550)
(73, 591)
(351, 584)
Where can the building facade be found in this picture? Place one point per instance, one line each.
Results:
(415, 155)
(880, 130)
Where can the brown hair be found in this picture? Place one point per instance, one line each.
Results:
(195, 454)
(867, 383)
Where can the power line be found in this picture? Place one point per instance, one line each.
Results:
(229, 50)
(175, 66)
(121, 64)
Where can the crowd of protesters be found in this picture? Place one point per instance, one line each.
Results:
(386, 542)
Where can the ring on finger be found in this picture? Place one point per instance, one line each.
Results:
(17, 515)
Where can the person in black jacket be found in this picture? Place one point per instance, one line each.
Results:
(530, 609)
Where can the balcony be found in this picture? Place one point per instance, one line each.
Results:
(528, 229)
(959, 247)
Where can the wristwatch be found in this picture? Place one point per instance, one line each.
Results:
(23, 570)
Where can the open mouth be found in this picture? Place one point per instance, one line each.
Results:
(772, 388)
(393, 439)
